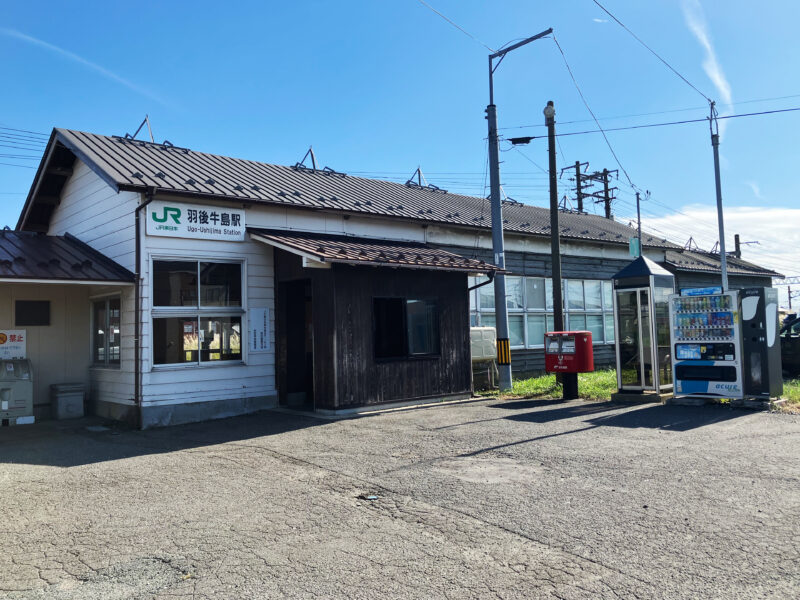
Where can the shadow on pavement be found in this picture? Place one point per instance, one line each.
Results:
(70, 443)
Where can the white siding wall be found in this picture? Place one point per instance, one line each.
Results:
(94, 213)
(163, 385)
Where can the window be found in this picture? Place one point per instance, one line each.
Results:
(197, 312)
(31, 313)
(588, 305)
(105, 332)
(405, 328)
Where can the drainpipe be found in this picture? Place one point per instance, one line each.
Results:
(137, 333)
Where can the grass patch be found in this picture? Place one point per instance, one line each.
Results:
(791, 392)
(598, 385)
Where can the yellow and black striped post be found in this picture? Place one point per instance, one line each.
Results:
(503, 351)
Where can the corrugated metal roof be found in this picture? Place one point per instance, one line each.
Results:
(353, 250)
(136, 165)
(25, 255)
(692, 260)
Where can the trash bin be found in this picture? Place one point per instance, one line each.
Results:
(67, 400)
(16, 391)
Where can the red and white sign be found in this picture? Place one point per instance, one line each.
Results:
(13, 343)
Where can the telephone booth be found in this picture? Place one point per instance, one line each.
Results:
(641, 322)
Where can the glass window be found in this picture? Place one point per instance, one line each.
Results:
(220, 284)
(220, 338)
(175, 340)
(488, 320)
(536, 329)
(514, 293)
(516, 330)
(473, 320)
(535, 292)
(105, 335)
(208, 328)
(609, 321)
(174, 283)
(486, 295)
(575, 294)
(405, 327)
(594, 323)
(577, 322)
(473, 294)
(548, 286)
(549, 322)
(608, 290)
(593, 294)
(423, 327)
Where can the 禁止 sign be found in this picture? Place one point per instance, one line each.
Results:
(195, 221)
(259, 329)
(12, 343)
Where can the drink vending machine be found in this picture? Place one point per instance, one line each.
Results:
(706, 344)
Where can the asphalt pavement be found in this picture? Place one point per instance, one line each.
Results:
(484, 499)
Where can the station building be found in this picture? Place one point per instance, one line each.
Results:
(180, 286)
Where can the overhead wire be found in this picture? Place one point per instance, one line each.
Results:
(653, 52)
(457, 26)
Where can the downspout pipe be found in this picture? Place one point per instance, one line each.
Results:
(487, 282)
(137, 332)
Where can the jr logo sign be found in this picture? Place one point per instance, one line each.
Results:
(168, 211)
(195, 221)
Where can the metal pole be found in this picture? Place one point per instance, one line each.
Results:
(639, 221)
(569, 380)
(578, 185)
(498, 244)
(606, 194)
(723, 259)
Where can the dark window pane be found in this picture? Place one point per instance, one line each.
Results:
(31, 313)
(113, 331)
(220, 338)
(389, 332)
(174, 283)
(174, 340)
(100, 331)
(423, 327)
(220, 284)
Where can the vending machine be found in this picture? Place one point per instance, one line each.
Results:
(706, 343)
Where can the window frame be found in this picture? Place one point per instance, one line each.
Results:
(198, 312)
(606, 313)
(407, 356)
(105, 363)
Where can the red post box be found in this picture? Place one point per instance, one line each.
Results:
(568, 352)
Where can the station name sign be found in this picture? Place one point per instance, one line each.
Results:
(195, 221)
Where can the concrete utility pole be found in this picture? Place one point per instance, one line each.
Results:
(606, 194)
(498, 244)
(639, 222)
(569, 381)
(723, 259)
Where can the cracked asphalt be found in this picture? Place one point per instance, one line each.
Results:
(486, 499)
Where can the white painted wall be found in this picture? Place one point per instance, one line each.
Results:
(164, 385)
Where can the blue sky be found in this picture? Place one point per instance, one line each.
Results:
(379, 88)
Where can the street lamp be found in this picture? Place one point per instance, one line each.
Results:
(498, 244)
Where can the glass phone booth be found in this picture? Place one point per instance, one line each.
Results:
(642, 324)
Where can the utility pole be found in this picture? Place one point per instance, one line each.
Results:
(639, 222)
(580, 178)
(606, 195)
(723, 259)
(569, 381)
(586, 180)
(498, 244)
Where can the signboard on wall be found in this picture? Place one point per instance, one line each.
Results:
(12, 343)
(258, 320)
(195, 221)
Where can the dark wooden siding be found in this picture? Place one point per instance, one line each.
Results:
(362, 380)
(529, 362)
(685, 279)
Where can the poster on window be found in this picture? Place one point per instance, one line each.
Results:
(12, 343)
(195, 221)
(259, 329)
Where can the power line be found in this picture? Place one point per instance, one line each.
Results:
(457, 26)
(586, 104)
(12, 165)
(47, 135)
(653, 52)
(658, 112)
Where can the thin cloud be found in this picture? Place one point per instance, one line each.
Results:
(600, 20)
(82, 61)
(696, 21)
(755, 189)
